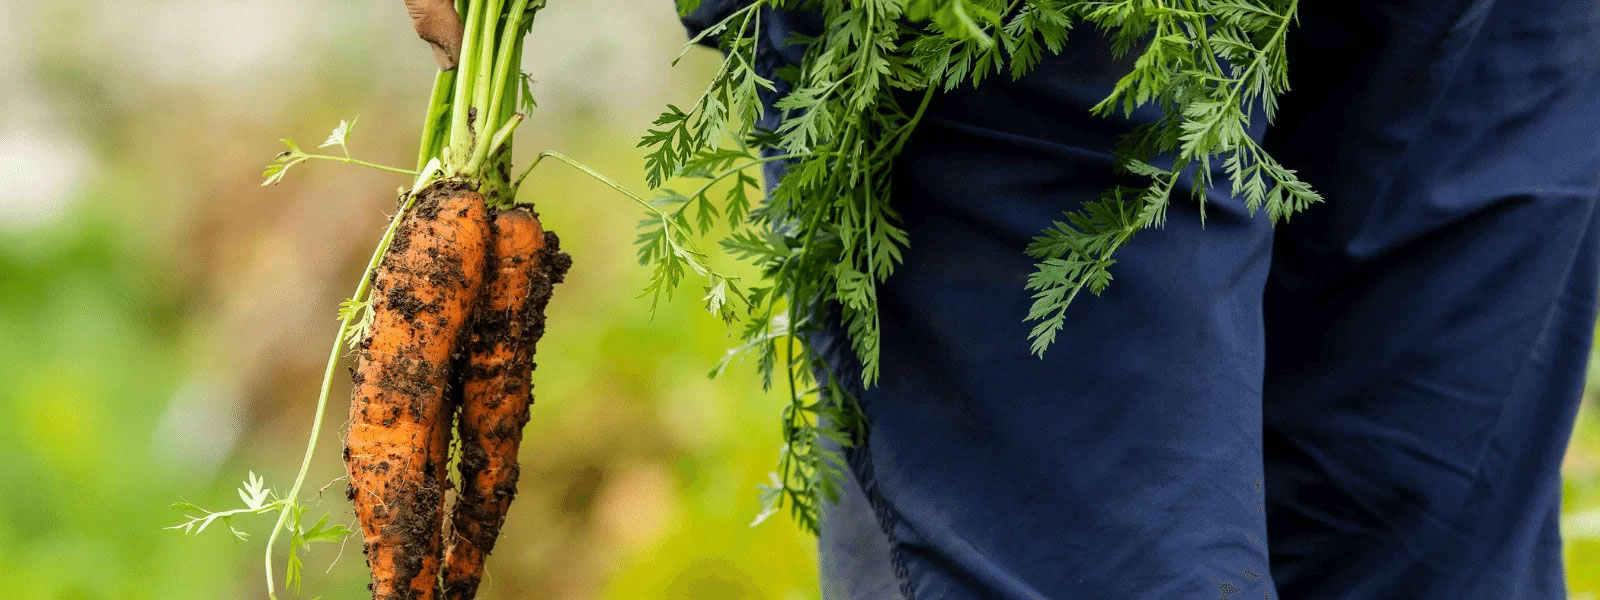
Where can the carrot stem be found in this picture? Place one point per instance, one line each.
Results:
(485, 149)
(433, 127)
(502, 65)
(483, 71)
(460, 133)
(593, 174)
(358, 162)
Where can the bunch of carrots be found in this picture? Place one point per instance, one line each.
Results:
(458, 308)
(444, 324)
(455, 310)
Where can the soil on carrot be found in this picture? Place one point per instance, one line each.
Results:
(411, 511)
(423, 294)
(495, 373)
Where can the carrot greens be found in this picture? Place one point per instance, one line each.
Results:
(828, 234)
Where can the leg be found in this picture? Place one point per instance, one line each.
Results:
(1126, 463)
(1428, 327)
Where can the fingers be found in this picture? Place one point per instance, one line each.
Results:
(436, 22)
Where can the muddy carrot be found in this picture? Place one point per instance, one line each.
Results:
(525, 264)
(424, 291)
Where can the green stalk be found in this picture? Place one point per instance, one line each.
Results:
(483, 71)
(512, 75)
(595, 175)
(356, 161)
(502, 64)
(433, 127)
(498, 170)
(460, 132)
(484, 149)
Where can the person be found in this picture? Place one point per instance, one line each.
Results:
(1370, 401)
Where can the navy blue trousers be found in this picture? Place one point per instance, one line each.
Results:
(1371, 401)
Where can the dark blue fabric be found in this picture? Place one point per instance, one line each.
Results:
(1371, 401)
(1429, 326)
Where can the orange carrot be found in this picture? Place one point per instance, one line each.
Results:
(424, 291)
(496, 388)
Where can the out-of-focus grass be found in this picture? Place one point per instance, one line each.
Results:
(163, 320)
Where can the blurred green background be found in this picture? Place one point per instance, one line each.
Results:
(163, 320)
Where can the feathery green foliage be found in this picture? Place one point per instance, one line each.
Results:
(828, 233)
(1209, 65)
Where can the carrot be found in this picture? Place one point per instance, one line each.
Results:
(424, 292)
(496, 389)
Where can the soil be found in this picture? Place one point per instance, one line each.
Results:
(405, 379)
(400, 380)
(499, 331)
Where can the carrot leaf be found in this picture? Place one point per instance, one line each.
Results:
(341, 136)
(359, 314)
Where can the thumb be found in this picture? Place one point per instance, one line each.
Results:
(437, 22)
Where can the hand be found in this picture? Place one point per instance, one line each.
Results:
(436, 22)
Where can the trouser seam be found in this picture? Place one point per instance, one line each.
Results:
(888, 519)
